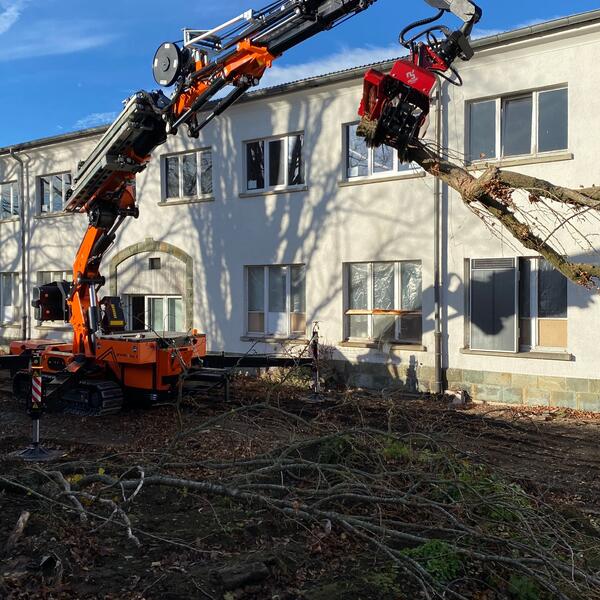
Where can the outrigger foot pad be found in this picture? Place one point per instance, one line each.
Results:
(37, 453)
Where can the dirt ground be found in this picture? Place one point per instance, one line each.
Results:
(190, 543)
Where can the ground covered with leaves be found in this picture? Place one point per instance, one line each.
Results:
(276, 496)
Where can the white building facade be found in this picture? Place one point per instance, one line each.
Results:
(278, 216)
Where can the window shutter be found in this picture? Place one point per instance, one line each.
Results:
(493, 305)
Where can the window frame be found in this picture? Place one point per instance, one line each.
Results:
(411, 169)
(288, 303)
(180, 155)
(14, 277)
(285, 138)
(40, 192)
(520, 348)
(165, 302)
(499, 124)
(371, 312)
(14, 193)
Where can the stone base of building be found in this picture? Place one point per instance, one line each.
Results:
(484, 386)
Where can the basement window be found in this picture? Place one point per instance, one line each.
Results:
(52, 192)
(521, 125)
(384, 302)
(275, 163)
(8, 296)
(276, 300)
(362, 161)
(516, 305)
(9, 200)
(188, 176)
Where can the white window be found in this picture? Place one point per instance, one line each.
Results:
(188, 175)
(362, 161)
(9, 200)
(164, 313)
(517, 305)
(44, 277)
(52, 191)
(383, 301)
(276, 300)
(275, 163)
(526, 124)
(8, 296)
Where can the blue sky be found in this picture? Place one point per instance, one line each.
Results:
(67, 64)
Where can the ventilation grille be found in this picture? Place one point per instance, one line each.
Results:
(492, 263)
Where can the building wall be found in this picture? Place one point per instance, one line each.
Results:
(332, 221)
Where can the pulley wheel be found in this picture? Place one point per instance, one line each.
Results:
(167, 64)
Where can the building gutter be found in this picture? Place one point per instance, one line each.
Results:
(24, 303)
(437, 284)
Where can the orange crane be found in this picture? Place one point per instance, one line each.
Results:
(104, 361)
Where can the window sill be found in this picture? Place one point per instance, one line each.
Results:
(10, 325)
(561, 356)
(372, 179)
(198, 200)
(53, 328)
(10, 220)
(521, 160)
(290, 190)
(54, 215)
(377, 346)
(274, 340)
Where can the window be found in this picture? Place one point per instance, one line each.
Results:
(189, 175)
(531, 123)
(362, 161)
(44, 277)
(8, 296)
(276, 300)
(384, 301)
(165, 313)
(517, 305)
(53, 192)
(9, 200)
(154, 264)
(276, 163)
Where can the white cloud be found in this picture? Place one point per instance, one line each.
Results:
(11, 12)
(96, 119)
(53, 37)
(346, 58)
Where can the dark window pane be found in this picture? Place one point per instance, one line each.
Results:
(412, 286)
(411, 328)
(357, 161)
(57, 193)
(173, 177)
(255, 166)
(383, 159)
(482, 130)
(553, 121)
(276, 163)
(358, 283)
(525, 287)
(296, 160)
(298, 289)
(190, 174)
(5, 202)
(493, 309)
(516, 126)
(383, 286)
(552, 292)
(45, 195)
(256, 289)
(206, 175)
(15, 199)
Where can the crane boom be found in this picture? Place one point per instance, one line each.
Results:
(233, 55)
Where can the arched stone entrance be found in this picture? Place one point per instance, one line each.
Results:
(132, 270)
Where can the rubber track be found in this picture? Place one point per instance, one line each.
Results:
(110, 393)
